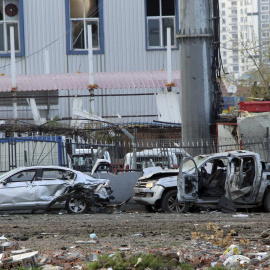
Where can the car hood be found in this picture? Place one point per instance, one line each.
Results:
(160, 174)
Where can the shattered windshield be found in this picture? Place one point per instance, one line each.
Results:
(189, 164)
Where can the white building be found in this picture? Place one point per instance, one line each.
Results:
(128, 35)
(229, 35)
(244, 27)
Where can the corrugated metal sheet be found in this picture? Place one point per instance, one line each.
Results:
(44, 22)
(44, 27)
(125, 50)
(141, 108)
(125, 44)
(124, 38)
(109, 80)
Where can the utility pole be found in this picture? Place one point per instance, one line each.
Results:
(195, 37)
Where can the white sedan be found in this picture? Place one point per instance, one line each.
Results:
(31, 188)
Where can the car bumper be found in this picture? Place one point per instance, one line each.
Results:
(148, 196)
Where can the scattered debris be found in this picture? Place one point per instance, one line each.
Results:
(232, 250)
(236, 261)
(12, 256)
(265, 233)
(211, 244)
(138, 234)
(93, 236)
(86, 242)
(240, 215)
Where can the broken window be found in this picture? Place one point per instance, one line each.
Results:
(51, 174)
(9, 16)
(23, 176)
(84, 13)
(160, 15)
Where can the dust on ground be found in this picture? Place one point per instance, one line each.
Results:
(134, 231)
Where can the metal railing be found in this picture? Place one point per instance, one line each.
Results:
(16, 152)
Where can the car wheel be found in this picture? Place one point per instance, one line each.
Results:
(170, 203)
(266, 202)
(76, 206)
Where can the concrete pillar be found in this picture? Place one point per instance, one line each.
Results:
(194, 38)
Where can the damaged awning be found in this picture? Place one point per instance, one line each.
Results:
(104, 80)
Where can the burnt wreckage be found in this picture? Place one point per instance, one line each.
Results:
(229, 180)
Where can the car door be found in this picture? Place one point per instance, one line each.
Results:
(17, 191)
(187, 181)
(51, 183)
(243, 181)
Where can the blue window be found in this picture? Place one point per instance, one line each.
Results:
(161, 14)
(80, 14)
(11, 14)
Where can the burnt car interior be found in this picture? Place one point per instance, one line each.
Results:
(213, 175)
(212, 178)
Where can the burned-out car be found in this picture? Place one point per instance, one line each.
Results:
(226, 181)
(44, 187)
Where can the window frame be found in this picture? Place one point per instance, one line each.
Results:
(21, 34)
(176, 19)
(69, 51)
(23, 171)
(265, 25)
(266, 8)
(63, 171)
(265, 19)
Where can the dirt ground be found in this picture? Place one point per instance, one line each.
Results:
(134, 231)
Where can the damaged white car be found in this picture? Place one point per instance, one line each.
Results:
(44, 187)
(225, 181)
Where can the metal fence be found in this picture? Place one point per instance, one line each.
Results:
(17, 152)
(31, 151)
(164, 153)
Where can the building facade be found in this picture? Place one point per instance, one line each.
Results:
(244, 34)
(229, 35)
(127, 36)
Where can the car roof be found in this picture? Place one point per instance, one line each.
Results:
(45, 167)
(234, 152)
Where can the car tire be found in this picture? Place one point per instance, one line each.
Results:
(76, 205)
(170, 204)
(266, 202)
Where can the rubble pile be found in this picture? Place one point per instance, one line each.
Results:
(200, 255)
(202, 246)
(12, 256)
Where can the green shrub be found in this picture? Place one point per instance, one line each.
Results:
(121, 261)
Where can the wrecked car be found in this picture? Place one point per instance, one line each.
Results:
(158, 191)
(44, 187)
(226, 181)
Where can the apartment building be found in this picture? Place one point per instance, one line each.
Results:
(244, 33)
(229, 35)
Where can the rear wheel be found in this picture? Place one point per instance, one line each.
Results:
(266, 202)
(170, 203)
(76, 206)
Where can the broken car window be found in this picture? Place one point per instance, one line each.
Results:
(58, 174)
(188, 166)
(23, 176)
